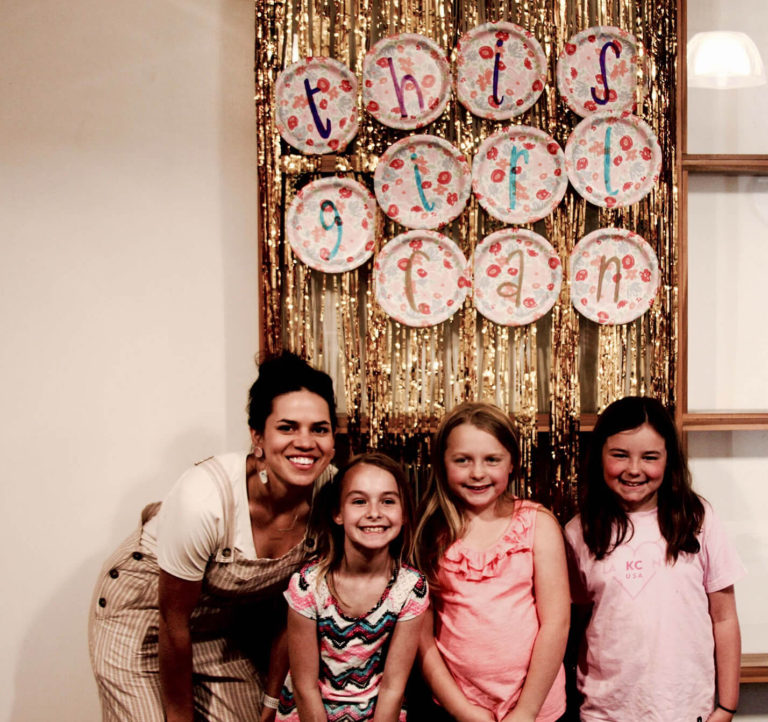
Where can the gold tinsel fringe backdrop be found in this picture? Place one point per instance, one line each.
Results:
(393, 382)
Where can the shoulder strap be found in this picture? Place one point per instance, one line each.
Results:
(213, 466)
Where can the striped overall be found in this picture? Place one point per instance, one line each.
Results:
(239, 610)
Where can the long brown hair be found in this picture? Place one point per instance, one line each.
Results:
(604, 521)
(441, 520)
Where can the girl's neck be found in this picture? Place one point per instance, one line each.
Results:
(356, 562)
(484, 529)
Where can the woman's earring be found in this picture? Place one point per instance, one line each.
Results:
(263, 476)
(257, 451)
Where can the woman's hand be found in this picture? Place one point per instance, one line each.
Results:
(719, 715)
(517, 715)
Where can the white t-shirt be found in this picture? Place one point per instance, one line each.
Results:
(649, 643)
(189, 528)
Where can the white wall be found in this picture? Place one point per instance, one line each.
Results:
(127, 297)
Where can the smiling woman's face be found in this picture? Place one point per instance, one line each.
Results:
(297, 440)
(634, 462)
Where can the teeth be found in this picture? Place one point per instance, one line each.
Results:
(302, 460)
(373, 529)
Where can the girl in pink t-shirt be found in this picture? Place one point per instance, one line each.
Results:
(497, 572)
(653, 574)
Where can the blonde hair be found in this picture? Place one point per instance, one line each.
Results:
(441, 519)
(330, 536)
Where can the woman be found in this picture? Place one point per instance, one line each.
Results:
(188, 606)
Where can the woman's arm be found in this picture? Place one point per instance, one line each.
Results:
(277, 672)
(304, 658)
(553, 606)
(178, 598)
(725, 626)
(441, 681)
(402, 652)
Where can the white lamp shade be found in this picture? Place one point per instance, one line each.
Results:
(724, 60)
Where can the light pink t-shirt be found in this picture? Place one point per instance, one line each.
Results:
(486, 621)
(649, 646)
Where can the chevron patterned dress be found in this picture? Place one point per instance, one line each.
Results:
(353, 651)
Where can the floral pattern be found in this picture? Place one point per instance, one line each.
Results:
(614, 276)
(331, 224)
(501, 70)
(613, 159)
(517, 277)
(316, 105)
(518, 174)
(597, 71)
(420, 278)
(422, 182)
(406, 81)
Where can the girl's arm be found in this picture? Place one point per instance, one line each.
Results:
(402, 651)
(178, 598)
(553, 606)
(304, 656)
(725, 625)
(441, 681)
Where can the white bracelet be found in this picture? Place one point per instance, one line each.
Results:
(270, 702)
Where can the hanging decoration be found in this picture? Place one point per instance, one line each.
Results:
(343, 87)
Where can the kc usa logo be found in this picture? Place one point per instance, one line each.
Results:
(634, 567)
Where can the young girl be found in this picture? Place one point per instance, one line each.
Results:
(499, 579)
(354, 614)
(652, 561)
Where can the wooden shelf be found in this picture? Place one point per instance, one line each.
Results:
(726, 164)
(754, 668)
(724, 421)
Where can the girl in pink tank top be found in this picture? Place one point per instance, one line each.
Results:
(497, 572)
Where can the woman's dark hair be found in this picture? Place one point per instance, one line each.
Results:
(282, 374)
(604, 521)
(330, 541)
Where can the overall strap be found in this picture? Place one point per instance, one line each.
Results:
(212, 465)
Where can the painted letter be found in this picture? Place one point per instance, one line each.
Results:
(427, 206)
(497, 59)
(409, 277)
(613, 46)
(323, 128)
(509, 289)
(399, 89)
(329, 206)
(514, 155)
(616, 277)
(607, 163)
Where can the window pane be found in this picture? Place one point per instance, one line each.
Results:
(732, 120)
(727, 293)
(729, 470)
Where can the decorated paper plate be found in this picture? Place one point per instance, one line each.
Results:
(331, 224)
(420, 278)
(613, 159)
(316, 105)
(597, 70)
(406, 81)
(518, 174)
(614, 276)
(422, 181)
(500, 70)
(517, 277)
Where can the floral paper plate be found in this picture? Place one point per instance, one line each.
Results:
(406, 81)
(420, 278)
(501, 70)
(331, 224)
(422, 181)
(316, 105)
(517, 277)
(614, 276)
(597, 70)
(613, 159)
(518, 174)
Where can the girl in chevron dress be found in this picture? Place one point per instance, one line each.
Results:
(355, 612)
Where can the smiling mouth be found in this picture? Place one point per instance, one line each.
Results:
(303, 462)
(373, 529)
(478, 489)
(633, 484)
